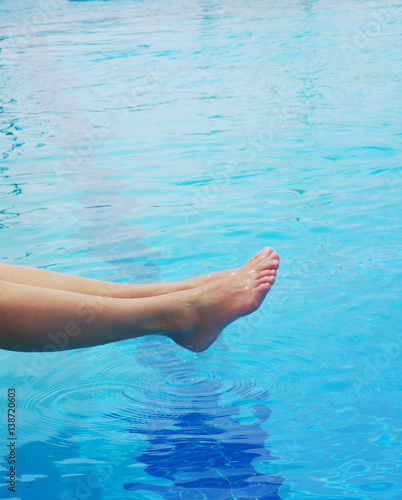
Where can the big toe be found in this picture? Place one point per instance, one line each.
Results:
(270, 262)
(259, 256)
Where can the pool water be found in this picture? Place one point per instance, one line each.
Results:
(153, 141)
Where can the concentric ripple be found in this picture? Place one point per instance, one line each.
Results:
(150, 392)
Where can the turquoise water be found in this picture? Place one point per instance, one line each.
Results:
(152, 141)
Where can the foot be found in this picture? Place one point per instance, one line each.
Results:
(157, 289)
(211, 277)
(233, 294)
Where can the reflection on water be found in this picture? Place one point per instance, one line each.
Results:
(197, 446)
(202, 459)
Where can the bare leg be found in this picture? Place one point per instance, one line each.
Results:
(58, 281)
(35, 318)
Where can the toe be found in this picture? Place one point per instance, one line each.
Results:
(268, 251)
(274, 260)
(268, 264)
(255, 257)
(260, 254)
(266, 272)
(266, 279)
(264, 287)
(274, 256)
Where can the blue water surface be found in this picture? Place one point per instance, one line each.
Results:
(152, 141)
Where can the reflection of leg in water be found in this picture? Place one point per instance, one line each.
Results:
(202, 459)
(193, 313)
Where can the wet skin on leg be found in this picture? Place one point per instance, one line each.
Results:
(193, 317)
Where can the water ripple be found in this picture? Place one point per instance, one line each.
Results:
(202, 131)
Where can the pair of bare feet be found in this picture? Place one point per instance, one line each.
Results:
(37, 305)
(215, 300)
